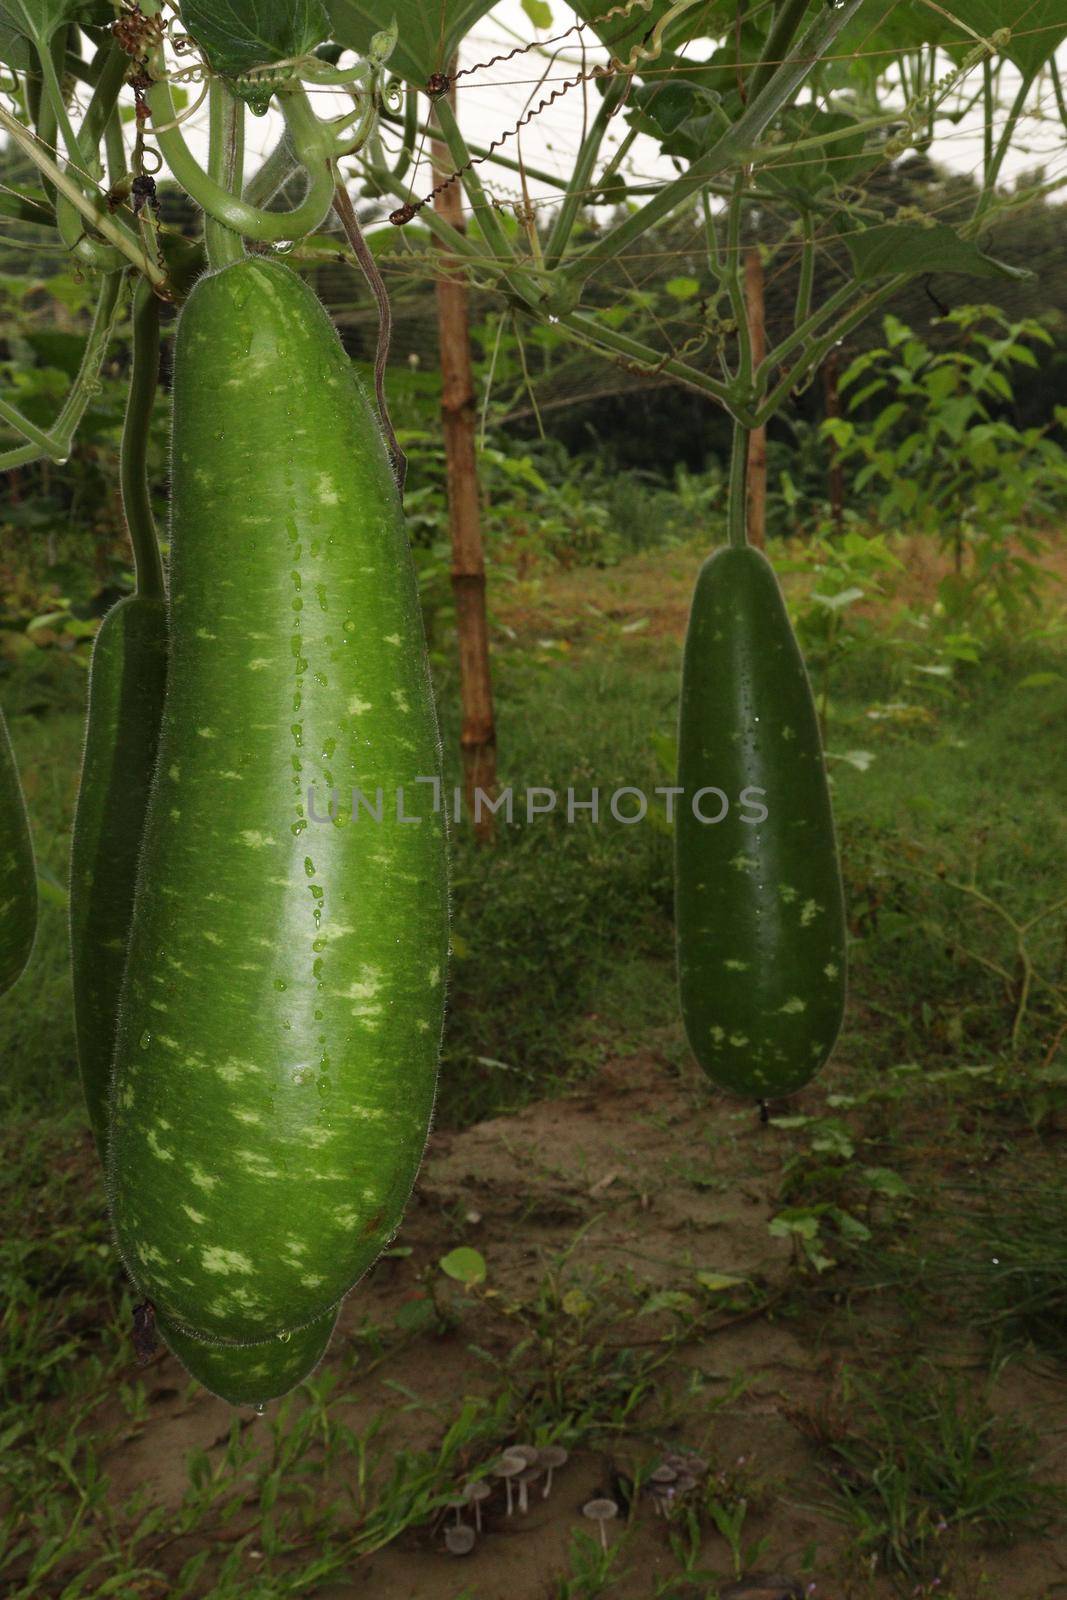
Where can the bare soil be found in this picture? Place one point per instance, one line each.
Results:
(646, 1172)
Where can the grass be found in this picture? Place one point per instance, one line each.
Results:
(924, 1196)
(916, 1460)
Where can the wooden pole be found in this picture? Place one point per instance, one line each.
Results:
(832, 408)
(757, 442)
(478, 732)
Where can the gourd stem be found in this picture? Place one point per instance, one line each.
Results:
(65, 186)
(109, 80)
(726, 152)
(310, 142)
(783, 31)
(576, 193)
(736, 498)
(133, 457)
(54, 118)
(500, 246)
(101, 122)
(53, 90)
(225, 160)
(1004, 143)
(37, 437)
(65, 426)
(272, 174)
(732, 267)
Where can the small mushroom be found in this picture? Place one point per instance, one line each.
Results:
(662, 1497)
(476, 1492)
(523, 1479)
(528, 1452)
(683, 1483)
(664, 1473)
(601, 1510)
(457, 1502)
(509, 1466)
(460, 1540)
(553, 1456)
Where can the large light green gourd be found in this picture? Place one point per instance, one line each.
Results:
(281, 1015)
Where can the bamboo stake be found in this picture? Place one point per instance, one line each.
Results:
(458, 411)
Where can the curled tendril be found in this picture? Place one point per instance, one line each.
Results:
(191, 110)
(654, 48)
(179, 42)
(393, 96)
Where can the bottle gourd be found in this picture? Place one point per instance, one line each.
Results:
(758, 903)
(281, 1012)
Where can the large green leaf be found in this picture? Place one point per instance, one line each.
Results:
(881, 251)
(1038, 27)
(37, 20)
(14, 51)
(239, 35)
(430, 31)
(807, 172)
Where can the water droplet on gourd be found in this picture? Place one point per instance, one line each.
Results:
(284, 1337)
(259, 1408)
(145, 1039)
(279, 983)
(284, 246)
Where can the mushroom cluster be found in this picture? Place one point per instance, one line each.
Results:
(517, 1468)
(677, 1475)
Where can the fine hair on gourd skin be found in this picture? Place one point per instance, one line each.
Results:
(134, 1183)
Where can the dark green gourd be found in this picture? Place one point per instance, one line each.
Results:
(18, 873)
(759, 913)
(126, 683)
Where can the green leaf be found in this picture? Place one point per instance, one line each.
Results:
(809, 171)
(465, 1265)
(38, 20)
(1039, 680)
(716, 1282)
(538, 12)
(682, 288)
(668, 1300)
(1037, 28)
(237, 36)
(14, 51)
(883, 1180)
(428, 35)
(911, 247)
